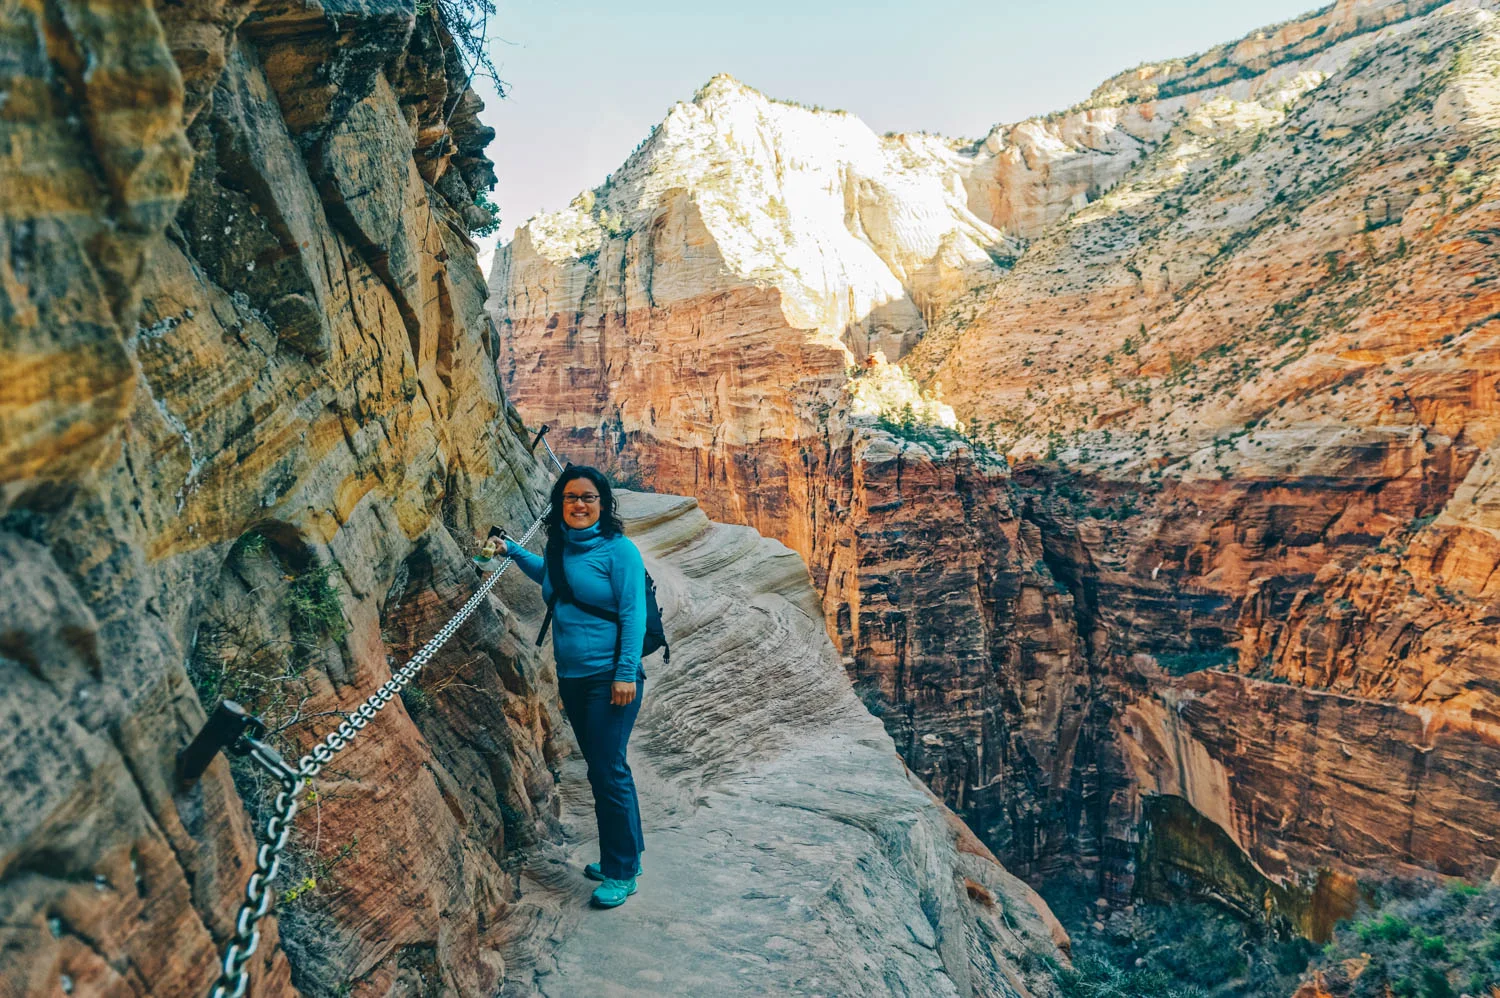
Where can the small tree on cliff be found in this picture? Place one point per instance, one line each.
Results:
(466, 23)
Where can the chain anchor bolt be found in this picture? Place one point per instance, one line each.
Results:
(227, 728)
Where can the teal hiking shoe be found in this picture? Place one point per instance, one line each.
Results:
(612, 893)
(594, 872)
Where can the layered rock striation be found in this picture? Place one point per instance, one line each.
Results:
(1234, 337)
(250, 422)
(1282, 372)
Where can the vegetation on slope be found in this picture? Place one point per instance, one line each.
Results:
(1416, 940)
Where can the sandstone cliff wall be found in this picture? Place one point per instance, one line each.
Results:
(250, 421)
(1257, 374)
(249, 426)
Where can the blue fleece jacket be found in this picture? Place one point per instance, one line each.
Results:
(607, 572)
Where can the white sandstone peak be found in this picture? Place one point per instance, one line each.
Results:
(867, 239)
(863, 235)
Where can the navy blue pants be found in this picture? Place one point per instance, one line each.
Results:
(603, 730)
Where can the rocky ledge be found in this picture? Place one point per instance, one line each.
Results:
(788, 850)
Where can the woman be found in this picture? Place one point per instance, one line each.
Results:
(598, 660)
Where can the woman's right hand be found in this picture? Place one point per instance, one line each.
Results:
(494, 543)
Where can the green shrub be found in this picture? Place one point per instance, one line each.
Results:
(482, 200)
(249, 545)
(417, 700)
(1096, 978)
(316, 608)
(205, 667)
(909, 427)
(1389, 929)
(1183, 950)
(1196, 660)
(1424, 941)
(1431, 947)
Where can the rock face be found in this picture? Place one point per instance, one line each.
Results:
(1258, 372)
(249, 422)
(725, 279)
(787, 849)
(1236, 335)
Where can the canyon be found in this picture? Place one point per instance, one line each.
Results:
(1143, 454)
(250, 428)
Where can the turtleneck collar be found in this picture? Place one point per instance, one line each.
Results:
(588, 537)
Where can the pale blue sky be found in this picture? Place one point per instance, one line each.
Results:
(588, 79)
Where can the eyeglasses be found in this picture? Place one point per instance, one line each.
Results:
(587, 500)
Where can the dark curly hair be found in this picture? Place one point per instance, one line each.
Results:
(609, 515)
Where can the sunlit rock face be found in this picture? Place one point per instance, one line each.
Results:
(718, 286)
(1026, 177)
(1273, 342)
(249, 428)
(1236, 337)
(858, 236)
(249, 423)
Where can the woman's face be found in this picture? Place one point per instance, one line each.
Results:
(580, 504)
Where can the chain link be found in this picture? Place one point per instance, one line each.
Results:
(234, 979)
(311, 764)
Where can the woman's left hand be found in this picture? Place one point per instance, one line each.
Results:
(620, 694)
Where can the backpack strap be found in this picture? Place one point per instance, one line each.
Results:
(546, 623)
(552, 555)
(561, 590)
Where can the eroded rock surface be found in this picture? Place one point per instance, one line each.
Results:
(249, 424)
(787, 849)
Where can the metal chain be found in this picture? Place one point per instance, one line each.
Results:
(234, 979)
(311, 764)
(552, 454)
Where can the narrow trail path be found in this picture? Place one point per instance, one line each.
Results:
(787, 850)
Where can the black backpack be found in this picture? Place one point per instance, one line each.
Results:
(655, 637)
